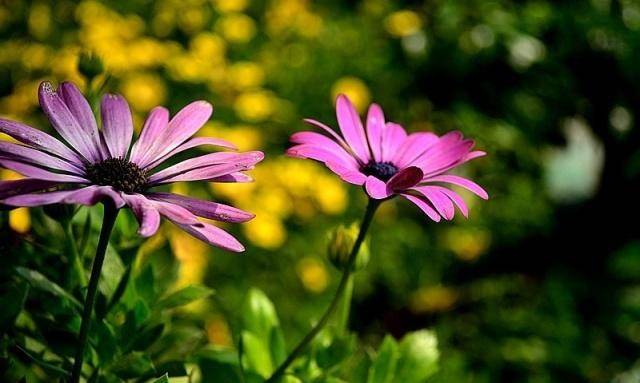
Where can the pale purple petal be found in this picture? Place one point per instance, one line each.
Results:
(424, 205)
(206, 173)
(351, 128)
(37, 199)
(65, 123)
(376, 188)
(26, 154)
(181, 127)
(117, 125)
(93, 194)
(375, 130)
(145, 212)
(191, 143)
(460, 181)
(156, 122)
(440, 201)
(39, 173)
(205, 209)
(213, 235)
(81, 110)
(392, 138)
(405, 178)
(237, 177)
(175, 213)
(238, 162)
(39, 140)
(24, 186)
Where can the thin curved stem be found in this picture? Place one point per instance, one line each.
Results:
(108, 221)
(344, 282)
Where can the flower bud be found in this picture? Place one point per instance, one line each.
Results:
(90, 65)
(341, 241)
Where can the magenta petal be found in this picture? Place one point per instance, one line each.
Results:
(156, 122)
(351, 128)
(117, 125)
(424, 205)
(26, 154)
(214, 236)
(323, 154)
(81, 110)
(331, 132)
(181, 127)
(312, 139)
(351, 176)
(405, 178)
(192, 143)
(376, 188)
(456, 199)
(23, 186)
(65, 123)
(205, 209)
(39, 173)
(392, 138)
(39, 140)
(375, 129)
(440, 201)
(146, 214)
(460, 181)
(413, 147)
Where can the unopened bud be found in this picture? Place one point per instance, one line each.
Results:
(341, 241)
(90, 65)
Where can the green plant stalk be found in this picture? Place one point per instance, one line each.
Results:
(340, 291)
(108, 221)
(76, 261)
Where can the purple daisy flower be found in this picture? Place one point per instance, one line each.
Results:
(387, 161)
(91, 165)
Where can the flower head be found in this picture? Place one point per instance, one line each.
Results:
(90, 165)
(387, 161)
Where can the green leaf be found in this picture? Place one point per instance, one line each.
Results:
(277, 346)
(133, 365)
(112, 272)
(256, 354)
(41, 282)
(163, 379)
(147, 337)
(418, 357)
(106, 344)
(12, 301)
(339, 349)
(259, 315)
(383, 367)
(184, 296)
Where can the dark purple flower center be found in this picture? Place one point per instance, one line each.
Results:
(117, 172)
(381, 170)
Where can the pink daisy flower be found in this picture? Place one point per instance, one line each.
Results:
(388, 162)
(90, 165)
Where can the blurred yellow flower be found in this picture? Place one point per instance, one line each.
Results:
(245, 137)
(144, 90)
(19, 220)
(191, 253)
(403, 23)
(466, 243)
(254, 105)
(39, 20)
(355, 89)
(191, 20)
(433, 299)
(245, 75)
(218, 332)
(313, 274)
(265, 230)
(230, 5)
(236, 27)
(208, 46)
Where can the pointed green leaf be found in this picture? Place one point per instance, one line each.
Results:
(259, 315)
(12, 301)
(256, 354)
(163, 379)
(418, 357)
(133, 365)
(184, 296)
(383, 367)
(277, 346)
(41, 282)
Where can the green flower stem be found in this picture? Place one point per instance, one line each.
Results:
(342, 287)
(76, 261)
(109, 219)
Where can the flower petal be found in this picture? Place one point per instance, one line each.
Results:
(351, 128)
(440, 201)
(233, 177)
(156, 122)
(405, 178)
(205, 209)
(456, 199)
(424, 205)
(89, 195)
(191, 143)
(175, 213)
(30, 155)
(376, 188)
(39, 140)
(66, 124)
(460, 181)
(146, 213)
(322, 154)
(23, 186)
(39, 173)
(117, 125)
(331, 132)
(81, 111)
(375, 129)
(413, 147)
(392, 138)
(213, 235)
(351, 176)
(325, 143)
